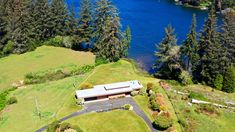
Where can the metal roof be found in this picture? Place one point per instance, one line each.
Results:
(109, 89)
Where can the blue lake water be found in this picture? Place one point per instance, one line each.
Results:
(147, 20)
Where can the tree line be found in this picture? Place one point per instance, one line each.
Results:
(207, 57)
(27, 24)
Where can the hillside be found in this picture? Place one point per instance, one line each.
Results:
(14, 67)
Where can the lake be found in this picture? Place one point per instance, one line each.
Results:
(147, 20)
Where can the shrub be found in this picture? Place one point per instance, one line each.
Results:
(56, 41)
(99, 61)
(218, 82)
(68, 42)
(185, 78)
(80, 101)
(162, 108)
(154, 105)
(208, 109)
(229, 80)
(163, 121)
(77, 128)
(127, 106)
(134, 93)
(64, 126)
(53, 126)
(142, 92)
(194, 95)
(8, 48)
(12, 100)
(86, 85)
(150, 86)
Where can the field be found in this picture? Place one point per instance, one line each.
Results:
(112, 121)
(211, 119)
(14, 67)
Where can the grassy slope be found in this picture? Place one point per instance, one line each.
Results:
(50, 96)
(118, 121)
(201, 122)
(14, 67)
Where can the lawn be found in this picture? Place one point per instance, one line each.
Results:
(112, 121)
(50, 97)
(14, 67)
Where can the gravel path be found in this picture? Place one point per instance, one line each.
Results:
(106, 106)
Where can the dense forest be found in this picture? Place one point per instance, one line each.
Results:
(219, 4)
(207, 57)
(27, 24)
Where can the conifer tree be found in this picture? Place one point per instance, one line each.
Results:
(212, 57)
(59, 15)
(41, 20)
(3, 24)
(190, 47)
(85, 26)
(72, 22)
(126, 41)
(168, 58)
(108, 36)
(229, 80)
(228, 36)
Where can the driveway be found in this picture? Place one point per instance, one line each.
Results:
(106, 106)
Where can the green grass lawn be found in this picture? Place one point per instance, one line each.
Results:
(112, 121)
(50, 96)
(14, 67)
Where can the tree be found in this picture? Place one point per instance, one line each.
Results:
(212, 54)
(3, 24)
(85, 26)
(59, 15)
(229, 80)
(219, 82)
(190, 47)
(126, 41)
(108, 36)
(41, 18)
(71, 22)
(228, 36)
(168, 57)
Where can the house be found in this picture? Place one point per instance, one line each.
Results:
(108, 91)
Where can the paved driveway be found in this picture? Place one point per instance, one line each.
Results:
(108, 105)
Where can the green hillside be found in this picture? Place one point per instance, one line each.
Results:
(14, 67)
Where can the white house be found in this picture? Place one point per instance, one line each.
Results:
(108, 91)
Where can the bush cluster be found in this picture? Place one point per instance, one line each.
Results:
(185, 78)
(86, 85)
(134, 93)
(199, 96)
(62, 127)
(12, 100)
(163, 121)
(208, 109)
(127, 106)
(3, 98)
(55, 74)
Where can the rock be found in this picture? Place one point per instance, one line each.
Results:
(190, 104)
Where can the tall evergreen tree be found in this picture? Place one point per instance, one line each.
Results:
(21, 35)
(85, 26)
(228, 36)
(59, 16)
(108, 36)
(168, 58)
(41, 20)
(3, 24)
(190, 47)
(212, 57)
(71, 22)
(229, 80)
(126, 41)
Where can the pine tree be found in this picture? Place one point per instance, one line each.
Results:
(229, 80)
(21, 35)
(212, 55)
(228, 36)
(3, 24)
(71, 22)
(168, 57)
(59, 15)
(190, 47)
(41, 20)
(126, 41)
(85, 26)
(108, 36)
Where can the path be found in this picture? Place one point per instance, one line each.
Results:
(105, 106)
